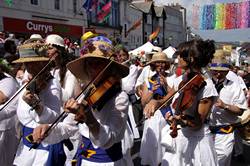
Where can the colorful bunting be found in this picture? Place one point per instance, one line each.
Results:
(222, 16)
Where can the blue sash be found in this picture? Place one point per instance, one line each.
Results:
(166, 110)
(86, 151)
(56, 153)
(223, 129)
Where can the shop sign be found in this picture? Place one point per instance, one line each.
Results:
(31, 26)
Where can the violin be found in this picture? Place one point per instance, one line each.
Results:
(185, 101)
(97, 96)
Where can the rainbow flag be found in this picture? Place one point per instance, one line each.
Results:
(153, 35)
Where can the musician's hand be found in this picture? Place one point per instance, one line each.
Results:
(219, 103)
(155, 87)
(169, 117)
(163, 81)
(74, 107)
(150, 108)
(30, 98)
(39, 133)
(71, 106)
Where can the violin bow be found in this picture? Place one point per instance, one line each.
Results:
(167, 100)
(79, 97)
(28, 83)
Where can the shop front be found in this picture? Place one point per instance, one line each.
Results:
(28, 27)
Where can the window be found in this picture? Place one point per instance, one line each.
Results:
(34, 2)
(74, 6)
(115, 14)
(57, 4)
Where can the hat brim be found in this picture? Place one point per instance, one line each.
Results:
(153, 61)
(219, 68)
(33, 40)
(84, 67)
(30, 59)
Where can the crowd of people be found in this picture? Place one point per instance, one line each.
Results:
(59, 109)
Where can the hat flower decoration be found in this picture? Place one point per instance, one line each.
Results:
(97, 56)
(32, 52)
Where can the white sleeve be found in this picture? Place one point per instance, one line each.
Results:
(62, 131)
(128, 83)
(113, 131)
(209, 90)
(242, 83)
(51, 108)
(239, 99)
(9, 110)
(141, 77)
(8, 86)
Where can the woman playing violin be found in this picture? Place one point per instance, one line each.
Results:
(101, 124)
(194, 144)
(39, 103)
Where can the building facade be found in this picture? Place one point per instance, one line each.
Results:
(26, 17)
(69, 19)
(169, 21)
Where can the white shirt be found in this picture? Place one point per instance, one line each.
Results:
(51, 101)
(128, 82)
(232, 94)
(8, 86)
(112, 117)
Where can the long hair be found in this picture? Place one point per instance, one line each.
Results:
(65, 57)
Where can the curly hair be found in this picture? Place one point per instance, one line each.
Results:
(197, 53)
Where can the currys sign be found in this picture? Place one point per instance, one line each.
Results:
(39, 27)
(45, 28)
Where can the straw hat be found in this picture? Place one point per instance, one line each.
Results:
(159, 57)
(220, 61)
(32, 52)
(95, 61)
(55, 40)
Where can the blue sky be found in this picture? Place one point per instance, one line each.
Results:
(217, 35)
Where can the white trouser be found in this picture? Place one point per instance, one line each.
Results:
(224, 144)
(8, 146)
